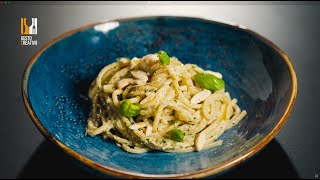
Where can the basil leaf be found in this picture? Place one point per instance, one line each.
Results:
(163, 57)
(209, 81)
(128, 109)
(177, 135)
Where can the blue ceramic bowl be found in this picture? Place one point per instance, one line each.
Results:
(256, 72)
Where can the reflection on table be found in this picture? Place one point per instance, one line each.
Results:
(49, 161)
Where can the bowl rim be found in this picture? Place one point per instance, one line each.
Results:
(195, 174)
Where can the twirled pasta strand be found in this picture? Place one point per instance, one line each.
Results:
(164, 93)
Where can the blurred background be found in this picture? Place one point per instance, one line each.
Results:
(293, 26)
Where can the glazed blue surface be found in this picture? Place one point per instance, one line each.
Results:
(254, 73)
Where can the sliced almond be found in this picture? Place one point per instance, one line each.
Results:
(201, 96)
(217, 74)
(138, 125)
(134, 62)
(140, 75)
(200, 141)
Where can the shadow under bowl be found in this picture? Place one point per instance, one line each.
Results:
(256, 72)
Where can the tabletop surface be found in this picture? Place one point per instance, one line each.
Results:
(292, 26)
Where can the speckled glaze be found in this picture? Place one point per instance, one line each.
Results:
(256, 72)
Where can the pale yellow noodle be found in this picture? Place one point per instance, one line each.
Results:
(164, 100)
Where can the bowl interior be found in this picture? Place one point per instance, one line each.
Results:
(254, 73)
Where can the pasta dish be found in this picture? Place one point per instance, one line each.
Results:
(158, 103)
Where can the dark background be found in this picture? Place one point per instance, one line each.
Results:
(293, 26)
